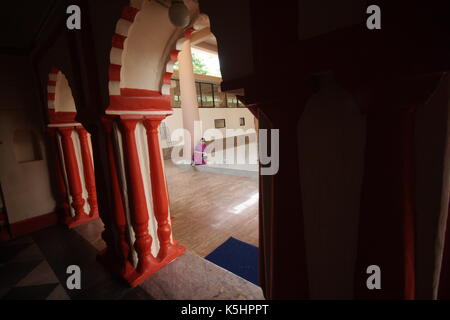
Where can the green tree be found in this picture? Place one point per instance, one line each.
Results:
(197, 64)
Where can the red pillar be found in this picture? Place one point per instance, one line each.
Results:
(88, 170)
(120, 219)
(73, 174)
(138, 204)
(159, 186)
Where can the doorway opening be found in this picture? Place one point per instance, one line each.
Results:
(214, 192)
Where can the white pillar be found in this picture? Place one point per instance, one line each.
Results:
(189, 103)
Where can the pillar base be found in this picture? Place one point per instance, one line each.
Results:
(129, 274)
(111, 264)
(72, 222)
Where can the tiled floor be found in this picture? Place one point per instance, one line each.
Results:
(34, 267)
(207, 209)
(25, 274)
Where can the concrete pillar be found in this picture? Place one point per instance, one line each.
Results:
(189, 102)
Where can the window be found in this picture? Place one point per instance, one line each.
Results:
(207, 95)
(232, 101)
(242, 122)
(220, 98)
(176, 95)
(199, 93)
(219, 123)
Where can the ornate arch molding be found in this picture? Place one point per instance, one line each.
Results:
(72, 155)
(129, 99)
(56, 118)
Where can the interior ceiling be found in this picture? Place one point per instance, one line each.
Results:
(211, 40)
(22, 23)
(209, 44)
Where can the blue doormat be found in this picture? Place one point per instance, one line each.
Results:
(238, 257)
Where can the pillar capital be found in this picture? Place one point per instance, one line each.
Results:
(152, 123)
(65, 131)
(81, 131)
(129, 124)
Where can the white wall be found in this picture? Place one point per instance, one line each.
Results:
(63, 95)
(148, 38)
(26, 185)
(208, 115)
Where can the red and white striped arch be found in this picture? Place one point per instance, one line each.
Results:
(131, 99)
(57, 118)
(51, 88)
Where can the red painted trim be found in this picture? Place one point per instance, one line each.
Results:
(33, 224)
(51, 96)
(129, 13)
(167, 78)
(61, 117)
(139, 103)
(188, 33)
(114, 72)
(118, 40)
(51, 83)
(130, 92)
(174, 55)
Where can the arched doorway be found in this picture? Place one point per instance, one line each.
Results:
(72, 155)
(145, 47)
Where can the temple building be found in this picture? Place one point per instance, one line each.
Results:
(313, 163)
